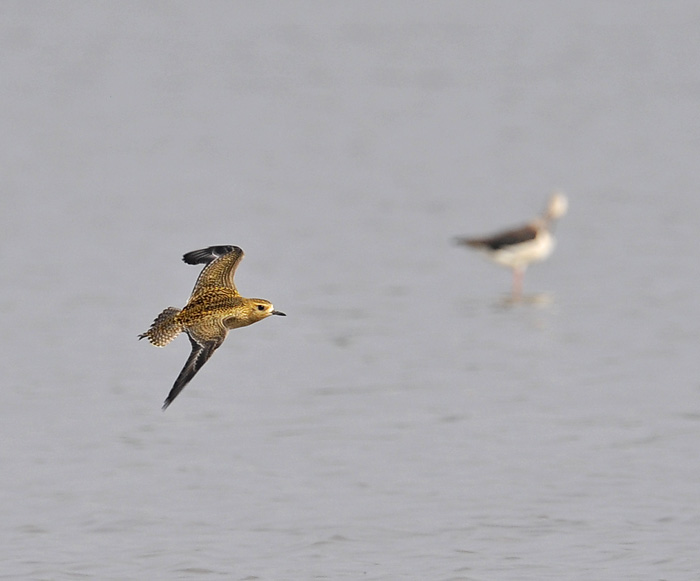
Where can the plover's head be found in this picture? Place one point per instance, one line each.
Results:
(262, 308)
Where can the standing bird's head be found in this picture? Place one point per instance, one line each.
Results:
(556, 207)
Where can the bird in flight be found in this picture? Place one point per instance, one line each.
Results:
(214, 308)
(519, 247)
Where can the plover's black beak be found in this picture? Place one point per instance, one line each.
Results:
(280, 313)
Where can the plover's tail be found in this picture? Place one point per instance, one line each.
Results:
(165, 328)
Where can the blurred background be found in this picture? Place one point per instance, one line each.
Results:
(404, 420)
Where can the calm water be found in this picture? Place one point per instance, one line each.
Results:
(403, 421)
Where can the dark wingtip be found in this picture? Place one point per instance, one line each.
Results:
(166, 403)
(206, 255)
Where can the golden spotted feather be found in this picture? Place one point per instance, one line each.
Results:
(214, 308)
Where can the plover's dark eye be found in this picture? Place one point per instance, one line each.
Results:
(261, 307)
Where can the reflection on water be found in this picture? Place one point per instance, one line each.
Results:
(537, 300)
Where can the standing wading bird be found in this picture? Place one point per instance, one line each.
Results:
(214, 308)
(519, 247)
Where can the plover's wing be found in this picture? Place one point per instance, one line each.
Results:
(221, 263)
(200, 354)
(502, 239)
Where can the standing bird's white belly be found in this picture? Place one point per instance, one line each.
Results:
(521, 254)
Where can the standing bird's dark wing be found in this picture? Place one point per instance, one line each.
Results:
(221, 263)
(201, 352)
(502, 239)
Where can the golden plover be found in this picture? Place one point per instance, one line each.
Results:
(214, 308)
(519, 247)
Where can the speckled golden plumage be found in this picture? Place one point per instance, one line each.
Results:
(214, 308)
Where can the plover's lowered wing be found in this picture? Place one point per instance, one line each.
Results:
(200, 354)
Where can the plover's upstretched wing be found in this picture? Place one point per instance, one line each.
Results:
(221, 263)
(202, 350)
(502, 239)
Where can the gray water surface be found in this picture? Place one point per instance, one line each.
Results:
(404, 421)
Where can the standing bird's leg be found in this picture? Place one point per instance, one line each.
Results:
(518, 274)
